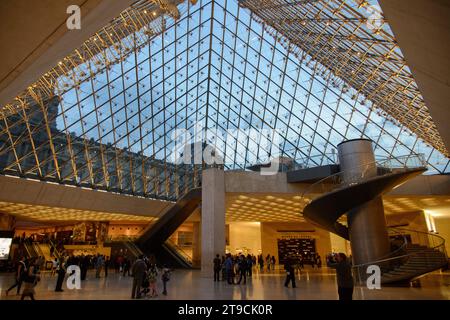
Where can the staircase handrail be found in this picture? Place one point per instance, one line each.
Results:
(408, 255)
(360, 175)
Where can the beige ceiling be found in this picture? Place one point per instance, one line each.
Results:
(288, 207)
(262, 207)
(55, 214)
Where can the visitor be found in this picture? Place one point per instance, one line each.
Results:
(84, 265)
(229, 269)
(249, 265)
(106, 266)
(290, 274)
(224, 270)
(217, 267)
(30, 280)
(138, 273)
(268, 262)
(54, 266)
(318, 261)
(273, 262)
(61, 271)
(21, 271)
(126, 266)
(166, 277)
(242, 264)
(261, 263)
(152, 276)
(99, 265)
(343, 275)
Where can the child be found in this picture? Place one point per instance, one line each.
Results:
(152, 276)
(165, 277)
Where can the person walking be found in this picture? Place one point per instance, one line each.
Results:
(290, 274)
(21, 271)
(30, 280)
(344, 276)
(217, 266)
(138, 272)
(106, 265)
(61, 271)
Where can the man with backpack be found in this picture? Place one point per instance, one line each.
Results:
(21, 271)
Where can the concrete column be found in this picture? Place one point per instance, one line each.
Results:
(212, 218)
(196, 244)
(7, 222)
(369, 239)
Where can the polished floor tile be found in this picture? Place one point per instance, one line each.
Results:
(187, 284)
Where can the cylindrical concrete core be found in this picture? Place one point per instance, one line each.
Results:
(367, 224)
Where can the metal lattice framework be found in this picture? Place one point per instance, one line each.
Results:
(105, 116)
(354, 50)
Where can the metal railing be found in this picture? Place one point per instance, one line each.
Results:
(131, 246)
(56, 252)
(429, 253)
(362, 173)
(183, 254)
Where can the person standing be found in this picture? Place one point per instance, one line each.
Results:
(61, 270)
(21, 271)
(98, 265)
(273, 262)
(107, 261)
(152, 276)
(242, 263)
(165, 278)
(290, 274)
(261, 263)
(344, 276)
(138, 273)
(217, 266)
(229, 269)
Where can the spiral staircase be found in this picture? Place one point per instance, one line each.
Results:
(329, 199)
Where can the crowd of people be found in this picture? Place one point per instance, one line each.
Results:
(235, 269)
(145, 274)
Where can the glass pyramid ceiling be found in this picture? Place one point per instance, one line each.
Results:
(107, 119)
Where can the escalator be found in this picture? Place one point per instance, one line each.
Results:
(331, 198)
(154, 239)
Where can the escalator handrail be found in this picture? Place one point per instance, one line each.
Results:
(183, 254)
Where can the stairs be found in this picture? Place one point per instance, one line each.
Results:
(330, 198)
(419, 260)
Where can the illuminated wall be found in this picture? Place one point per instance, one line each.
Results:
(245, 236)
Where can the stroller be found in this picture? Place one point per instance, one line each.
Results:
(145, 286)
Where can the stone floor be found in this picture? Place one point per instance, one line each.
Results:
(186, 284)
